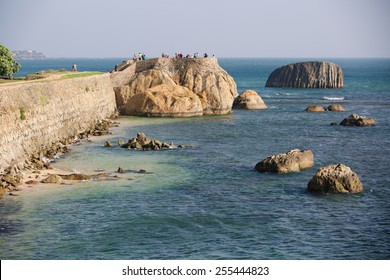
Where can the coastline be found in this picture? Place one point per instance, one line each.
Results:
(37, 170)
(212, 189)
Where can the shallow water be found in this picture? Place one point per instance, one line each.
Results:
(206, 202)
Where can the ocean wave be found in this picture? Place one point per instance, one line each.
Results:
(333, 98)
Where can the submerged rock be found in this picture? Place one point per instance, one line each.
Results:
(108, 144)
(121, 142)
(249, 100)
(332, 107)
(52, 179)
(76, 177)
(315, 108)
(356, 120)
(313, 74)
(292, 161)
(336, 108)
(335, 178)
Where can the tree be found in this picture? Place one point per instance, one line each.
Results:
(8, 65)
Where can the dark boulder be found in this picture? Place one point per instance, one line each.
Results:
(356, 120)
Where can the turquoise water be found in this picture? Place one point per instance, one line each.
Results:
(206, 202)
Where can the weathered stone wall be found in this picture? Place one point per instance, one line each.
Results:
(35, 115)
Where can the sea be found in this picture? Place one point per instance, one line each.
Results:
(206, 201)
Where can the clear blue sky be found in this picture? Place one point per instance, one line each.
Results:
(230, 28)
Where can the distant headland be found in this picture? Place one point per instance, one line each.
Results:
(28, 55)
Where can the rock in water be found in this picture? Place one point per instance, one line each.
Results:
(356, 120)
(52, 179)
(313, 74)
(315, 108)
(249, 100)
(108, 144)
(335, 107)
(202, 77)
(76, 177)
(292, 161)
(335, 178)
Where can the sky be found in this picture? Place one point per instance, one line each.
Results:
(226, 28)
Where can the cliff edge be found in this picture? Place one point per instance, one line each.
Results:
(174, 88)
(312, 74)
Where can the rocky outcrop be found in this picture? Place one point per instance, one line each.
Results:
(249, 100)
(142, 142)
(356, 120)
(336, 179)
(292, 161)
(313, 74)
(161, 82)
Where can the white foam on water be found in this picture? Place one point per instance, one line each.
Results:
(333, 98)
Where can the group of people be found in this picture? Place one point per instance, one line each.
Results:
(140, 56)
(180, 55)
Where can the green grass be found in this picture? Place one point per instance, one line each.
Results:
(15, 79)
(22, 114)
(83, 74)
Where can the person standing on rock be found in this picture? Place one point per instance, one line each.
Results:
(205, 55)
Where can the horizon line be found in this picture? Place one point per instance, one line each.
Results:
(232, 57)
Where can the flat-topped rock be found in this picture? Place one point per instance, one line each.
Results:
(337, 178)
(163, 80)
(312, 74)
(249, 100)
(292, 161)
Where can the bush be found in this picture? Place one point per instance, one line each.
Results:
(8, 65)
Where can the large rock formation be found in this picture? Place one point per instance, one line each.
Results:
(249, 100)
(165, 100)
(313, 74)
(356, 120)
(158, 86)
(335, 178)
(292, 161)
